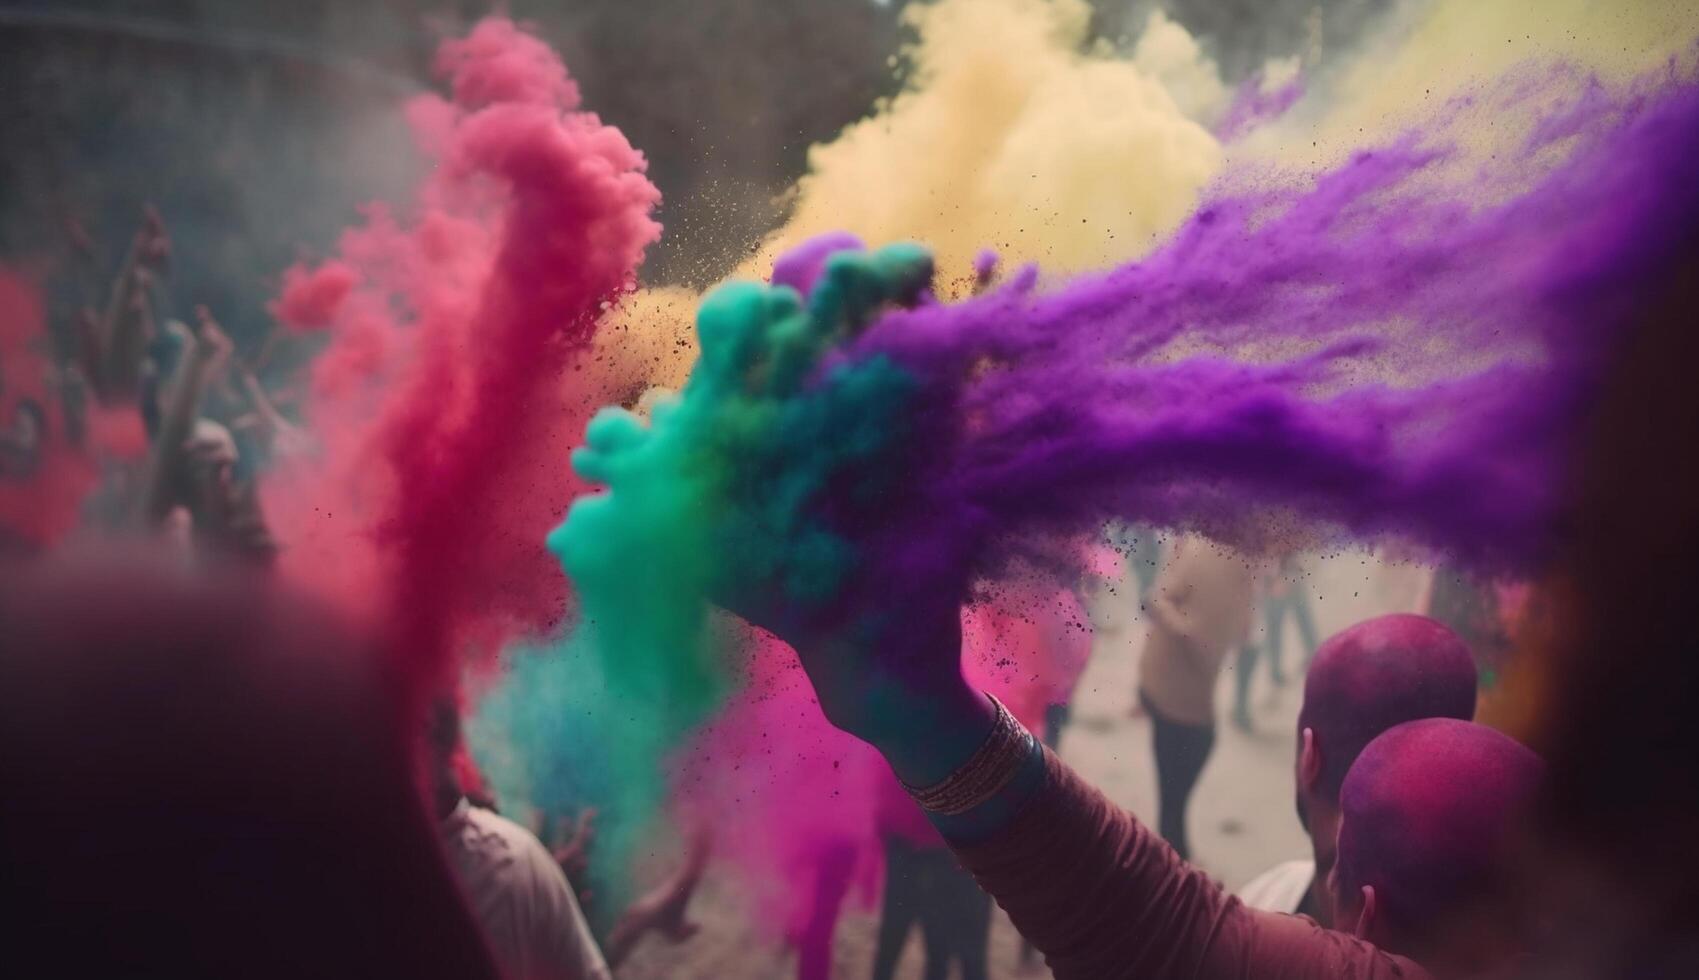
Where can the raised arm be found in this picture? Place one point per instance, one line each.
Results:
(279, 435)
(207, 347)
(1100, 894)
(662, 909)
(121, 332)
(876, 623)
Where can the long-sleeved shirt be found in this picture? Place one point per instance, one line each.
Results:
(1104, 897)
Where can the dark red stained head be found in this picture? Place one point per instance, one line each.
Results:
(1427, 811)
(1380, 673)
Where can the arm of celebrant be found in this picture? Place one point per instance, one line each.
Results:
(1095, 890)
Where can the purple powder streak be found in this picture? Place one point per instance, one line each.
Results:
(1254, 105)
(1398, 349)
(800, 268)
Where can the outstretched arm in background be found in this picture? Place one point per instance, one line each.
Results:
(277, 434)
(119, 337)
(662, 909)
(206, 350)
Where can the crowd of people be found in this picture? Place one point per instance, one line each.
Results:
(177, 425)
(207, 775)
(174, 420)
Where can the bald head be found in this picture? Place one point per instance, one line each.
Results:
(1426, 813)
(1380, 673)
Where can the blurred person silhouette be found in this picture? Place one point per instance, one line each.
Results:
(215, 779)
(193, 461)
(514, 886)
(926, 886)
(1142, 548)
(1199, 610)
(519, 889)
(207, 777)
(1283, 594)
(1616, 875)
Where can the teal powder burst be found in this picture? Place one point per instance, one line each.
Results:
(704, 496)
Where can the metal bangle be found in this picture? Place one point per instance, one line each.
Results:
(985, 773)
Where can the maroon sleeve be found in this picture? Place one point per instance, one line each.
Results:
(1104, 897)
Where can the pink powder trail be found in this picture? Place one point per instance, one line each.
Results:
(451, 389)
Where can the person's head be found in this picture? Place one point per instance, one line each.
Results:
(255, 756)
(211, 452)
(1364, 680)
(1426, 813)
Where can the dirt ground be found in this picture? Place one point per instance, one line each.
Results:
(1241, 821)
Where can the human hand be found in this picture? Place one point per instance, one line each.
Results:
(664, 908)
(572, 852)
(724, 480)
(766, 487)
(212, 345)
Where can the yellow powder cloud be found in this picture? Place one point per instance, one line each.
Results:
(1013, 133)
(1462, 41)
(1438, 50)
(648, 340)
(1010, 135)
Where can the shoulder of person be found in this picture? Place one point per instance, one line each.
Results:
(1296, 946)
(497, 838)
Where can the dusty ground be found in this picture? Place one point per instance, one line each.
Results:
(1242, 819)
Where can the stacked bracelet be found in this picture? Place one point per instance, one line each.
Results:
(985, 773)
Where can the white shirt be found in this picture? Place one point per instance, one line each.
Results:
(521, 898)
(1280, 888)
